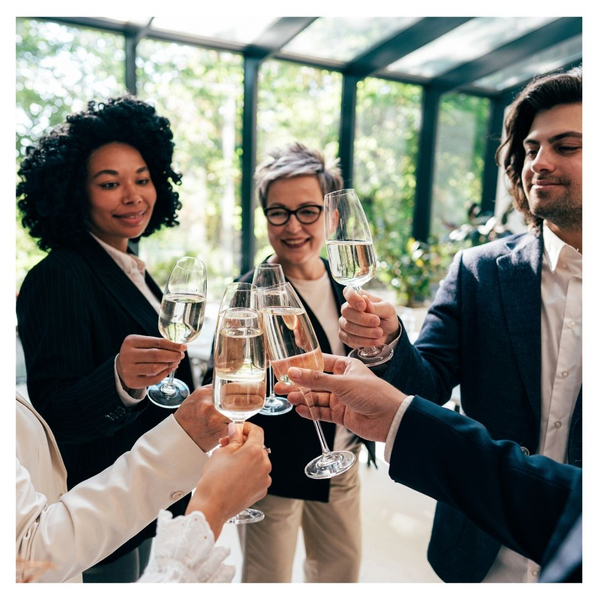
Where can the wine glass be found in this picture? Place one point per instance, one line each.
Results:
(292, 342)
(352, 255)
(180, 320)
(239, 384)
(268, 275)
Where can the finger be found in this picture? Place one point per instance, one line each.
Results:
(361, 329)
(329, 361)
(354, 300)
(146, 341)
(154, 355)
(364, 319)
(224, 441)
(317, 413)
(255, 434)
(313, 380)
(357, 341)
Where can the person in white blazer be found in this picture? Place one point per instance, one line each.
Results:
(71, 530)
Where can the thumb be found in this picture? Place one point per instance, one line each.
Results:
(314, 380)
(236, 435)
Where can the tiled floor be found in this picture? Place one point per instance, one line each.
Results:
(396, 527)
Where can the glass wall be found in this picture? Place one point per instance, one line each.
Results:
(201, 92)
(460, 147)
(58, 69)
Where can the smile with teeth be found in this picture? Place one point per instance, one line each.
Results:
(131, 217)
(295, 242)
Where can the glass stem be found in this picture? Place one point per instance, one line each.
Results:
(168, 387)
(367, 351)
(271, 383)
(324, 447)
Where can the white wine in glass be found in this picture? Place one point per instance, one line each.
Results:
(267, 275)
(352, 257)
(180, 320)
(239, 384)
(292, 342)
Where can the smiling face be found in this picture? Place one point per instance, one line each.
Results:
(297, 246)
(120, 192)
(551, 172)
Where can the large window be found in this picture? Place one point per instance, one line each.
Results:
(459, 155)
(200, 92)
(58, 70)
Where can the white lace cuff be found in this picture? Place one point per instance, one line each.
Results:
(184, 552)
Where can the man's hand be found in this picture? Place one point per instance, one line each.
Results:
(367, 320)
(351, 396)
(201, 420)
(234, 478)
(145, 360)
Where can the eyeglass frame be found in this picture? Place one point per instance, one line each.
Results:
(293, 212)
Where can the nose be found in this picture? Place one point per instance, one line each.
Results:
(131, 194)
(543, 161)
(293, 224)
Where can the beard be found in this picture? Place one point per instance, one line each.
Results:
(563, 211)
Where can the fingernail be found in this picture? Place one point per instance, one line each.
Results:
(231, 429)
(294, 372)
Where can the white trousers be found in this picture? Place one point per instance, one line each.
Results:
(332, 536)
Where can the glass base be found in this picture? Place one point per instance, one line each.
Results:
(326, 467)
(373, 356)
(249, 515)
(159, 397)
(276, 405)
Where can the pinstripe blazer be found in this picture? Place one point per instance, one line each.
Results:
(74, 310)
(483, 331)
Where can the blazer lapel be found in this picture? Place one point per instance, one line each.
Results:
(123, 290)
(519, 273)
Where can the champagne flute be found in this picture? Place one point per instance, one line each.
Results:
(352, 255)
(239, 384)
(268, 275)
(292, 342)
(180, 320)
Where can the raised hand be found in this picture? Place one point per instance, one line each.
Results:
(367, 320)
(351, 396)
(144, 360)
(236, 476)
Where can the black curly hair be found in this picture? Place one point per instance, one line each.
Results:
(52, 193)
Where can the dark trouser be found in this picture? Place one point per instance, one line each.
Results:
(127, 569)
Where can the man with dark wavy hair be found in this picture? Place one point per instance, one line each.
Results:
(506, 323)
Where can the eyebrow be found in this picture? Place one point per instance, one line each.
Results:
(556, 138)
(301, 205)
(115, 173)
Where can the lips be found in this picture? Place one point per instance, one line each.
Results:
(295, 243)
(131, 218)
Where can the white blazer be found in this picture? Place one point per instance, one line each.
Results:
(75, 529)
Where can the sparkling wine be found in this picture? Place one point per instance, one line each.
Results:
(239, 387)
(352, 263)
(291, 341)
(181, 317)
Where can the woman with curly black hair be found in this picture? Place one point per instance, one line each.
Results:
(87, 312)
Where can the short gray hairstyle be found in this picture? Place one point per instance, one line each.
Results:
(296, 160)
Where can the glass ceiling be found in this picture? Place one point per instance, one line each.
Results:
(491, 54)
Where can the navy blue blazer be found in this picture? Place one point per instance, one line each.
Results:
(483, 331)
(530, 504)
(74, 310)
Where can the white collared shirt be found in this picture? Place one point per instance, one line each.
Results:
(135, 269)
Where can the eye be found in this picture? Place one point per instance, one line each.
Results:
(531, 152)
(277, 213)
(309, 211)
(109, 185)
(143, 181)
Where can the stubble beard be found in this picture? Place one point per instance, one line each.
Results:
(563, 212)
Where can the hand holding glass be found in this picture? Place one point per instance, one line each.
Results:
(352, 255)
(239, 366)
(180, 320)
(292, 342)
(268, 275)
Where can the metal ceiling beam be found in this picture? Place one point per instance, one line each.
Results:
(408, 40)
(511, 53)
(274, 38)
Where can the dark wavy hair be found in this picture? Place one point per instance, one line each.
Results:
(541, 93)
(52, 193)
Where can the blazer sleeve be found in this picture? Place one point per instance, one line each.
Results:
(69, 385)
(98, 515)
(517, 499)
(431, 367)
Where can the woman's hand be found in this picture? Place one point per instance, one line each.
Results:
(235, 477)
(143, 360)
(367, 320)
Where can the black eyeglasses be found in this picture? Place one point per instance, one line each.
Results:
(277, 215)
